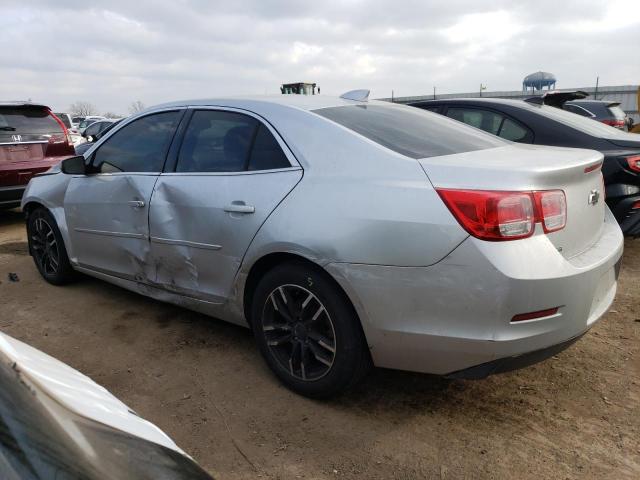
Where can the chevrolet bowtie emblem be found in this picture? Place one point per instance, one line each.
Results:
(594, 196)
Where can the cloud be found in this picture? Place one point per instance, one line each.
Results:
(115, 52)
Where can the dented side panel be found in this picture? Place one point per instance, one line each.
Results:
(197, 239)
(107, 219)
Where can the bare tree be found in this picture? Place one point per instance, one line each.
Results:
(82, 109)
(111, 115)
(136, 107)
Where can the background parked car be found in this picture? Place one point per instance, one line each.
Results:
(88, 121)
(32, 139)
(76, 138)
(525, 122)
(66, 119)
(75, 122)
(608, 113)
(92, 138)
(95, 128)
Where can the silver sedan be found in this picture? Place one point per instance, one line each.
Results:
(344, 232)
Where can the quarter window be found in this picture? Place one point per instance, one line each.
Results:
(221, 141)
(492, 122)
(140, 146)
(510, 130)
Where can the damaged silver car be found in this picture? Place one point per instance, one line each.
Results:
(344, 232)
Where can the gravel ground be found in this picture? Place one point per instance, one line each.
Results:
(203, 382)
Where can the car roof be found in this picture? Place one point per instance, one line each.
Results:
(301, 102)
(18, 104)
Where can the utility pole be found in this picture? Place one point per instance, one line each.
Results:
(595, 95)
(482, 87)
(434, 92)
(392, 96)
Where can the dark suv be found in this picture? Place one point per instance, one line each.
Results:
(542, 124)
(608, 113)
(32, 139)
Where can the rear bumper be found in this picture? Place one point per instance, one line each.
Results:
(10, 197)
(515, 362)
(456, 314)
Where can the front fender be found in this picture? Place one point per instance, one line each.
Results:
(49, 190)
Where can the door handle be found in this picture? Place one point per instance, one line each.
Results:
(239, 207)
(136, 203)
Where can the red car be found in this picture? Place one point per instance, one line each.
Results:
(32, 139)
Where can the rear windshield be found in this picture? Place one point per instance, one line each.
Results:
(583, 124)
(21, 121)
(86, 123)
(616, 112)
(410, 131)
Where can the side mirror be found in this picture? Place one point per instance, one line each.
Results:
(74, 166)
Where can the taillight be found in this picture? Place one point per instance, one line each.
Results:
(634, 163)
(552, 210)
(498, 216)
(614, 123)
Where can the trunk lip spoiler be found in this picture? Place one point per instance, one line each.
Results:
(593, 168)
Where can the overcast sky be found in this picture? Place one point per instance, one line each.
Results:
(60, 51)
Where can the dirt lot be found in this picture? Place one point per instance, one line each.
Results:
(202, 381)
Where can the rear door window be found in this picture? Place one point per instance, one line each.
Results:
(223, 141)
(140, 146)
(408, 130)
(482, 119)
(492, 122)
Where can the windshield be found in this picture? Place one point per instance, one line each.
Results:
(410, 131)
(584, 124)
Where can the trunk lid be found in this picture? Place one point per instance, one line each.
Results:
(529, 168)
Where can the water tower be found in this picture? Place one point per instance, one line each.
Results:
(539, 80)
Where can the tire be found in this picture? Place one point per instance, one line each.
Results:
(313, 341)
(47, 248)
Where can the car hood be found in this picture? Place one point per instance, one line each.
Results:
(76, 392)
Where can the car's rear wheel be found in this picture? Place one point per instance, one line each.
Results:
(307, 331)
(47, 248)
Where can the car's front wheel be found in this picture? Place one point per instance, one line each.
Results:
(307, 331)
(47, 248)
